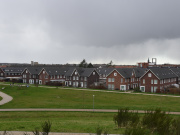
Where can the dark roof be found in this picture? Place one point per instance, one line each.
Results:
(139, 71)
(56, 70)
(13, 69)
(163, 73)
(85, 72)
(70, 72)
(104, 70)
(34, 70)
(176, 71)
(125, 72)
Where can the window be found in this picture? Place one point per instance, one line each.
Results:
(112, 79)
(122, 87)
(46, 77)
(57, 76)
(26, 71)
(152, 89)
(73, 77)
(69, 82)
(121, 80)
(115, 74)
(143, 81)
(112, 86)
(149, 75)
(109, 79)
(94, 73)
(1, 74)
(77, 77)
(142, 88)
(74, 84)
(85, 84)
(85, 78)
(155, 81)
(151, 81)
(75, 73)
(43, 72)
(155, 88)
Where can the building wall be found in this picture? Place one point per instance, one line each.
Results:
(118, 80)
(92, 78)
(43, 77)
(161, 84)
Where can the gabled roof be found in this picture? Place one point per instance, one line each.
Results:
(13, 69)
(70, 71)
(162, 73)
(85, 72)
(56, 70)
(139, 71)
(34, 70)
(125, 72)
(176, 71)
(104, 70)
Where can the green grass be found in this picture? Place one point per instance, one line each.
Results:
(38, 97)
(76, 122)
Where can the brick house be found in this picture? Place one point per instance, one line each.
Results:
(156, 79)
(176, 71)
(13, 73)
(135, 77)
(30, 75)
(2, 75)
(119, 79)
(52, 74)
(103, 72)
(81, 77)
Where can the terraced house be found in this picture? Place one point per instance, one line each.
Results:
(156, 79)
(30, 75)
(81, 77)
(52, 74)
(119, 79)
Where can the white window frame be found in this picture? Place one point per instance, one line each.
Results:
(142, 90)
(123, 88)
(115, 74)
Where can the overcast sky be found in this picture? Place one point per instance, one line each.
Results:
(68, 31)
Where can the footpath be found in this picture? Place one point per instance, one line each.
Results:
(51, 133)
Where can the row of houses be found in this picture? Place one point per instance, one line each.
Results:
(146, 79)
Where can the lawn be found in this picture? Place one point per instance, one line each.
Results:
(76, 122)
(38, 97)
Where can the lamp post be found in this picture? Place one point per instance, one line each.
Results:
(93, 103)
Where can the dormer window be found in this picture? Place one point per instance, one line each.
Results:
(115, 74)
(149, 75)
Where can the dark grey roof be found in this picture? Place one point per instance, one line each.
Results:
(56, 70)
(163, 73)
(139, 71)
(34, 70)
(104, 70)
(125, 72)
(85, 72)
(70, 71)
(13, 69)
(176, 71)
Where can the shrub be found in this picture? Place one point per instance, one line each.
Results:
(46, 127)
(157, 121)
(125, 117)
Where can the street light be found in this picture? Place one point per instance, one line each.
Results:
(93, 103)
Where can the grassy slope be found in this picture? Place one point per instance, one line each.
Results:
(36, 97)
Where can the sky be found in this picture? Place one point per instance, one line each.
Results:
(68, 31)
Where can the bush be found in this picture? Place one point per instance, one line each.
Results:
(125, 117)
(157, 121)
(46, 127)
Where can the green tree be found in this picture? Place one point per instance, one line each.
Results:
(90, 65)
(110, 64)
(83, 63)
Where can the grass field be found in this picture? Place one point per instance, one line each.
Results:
(38, 97)
(77, 122)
